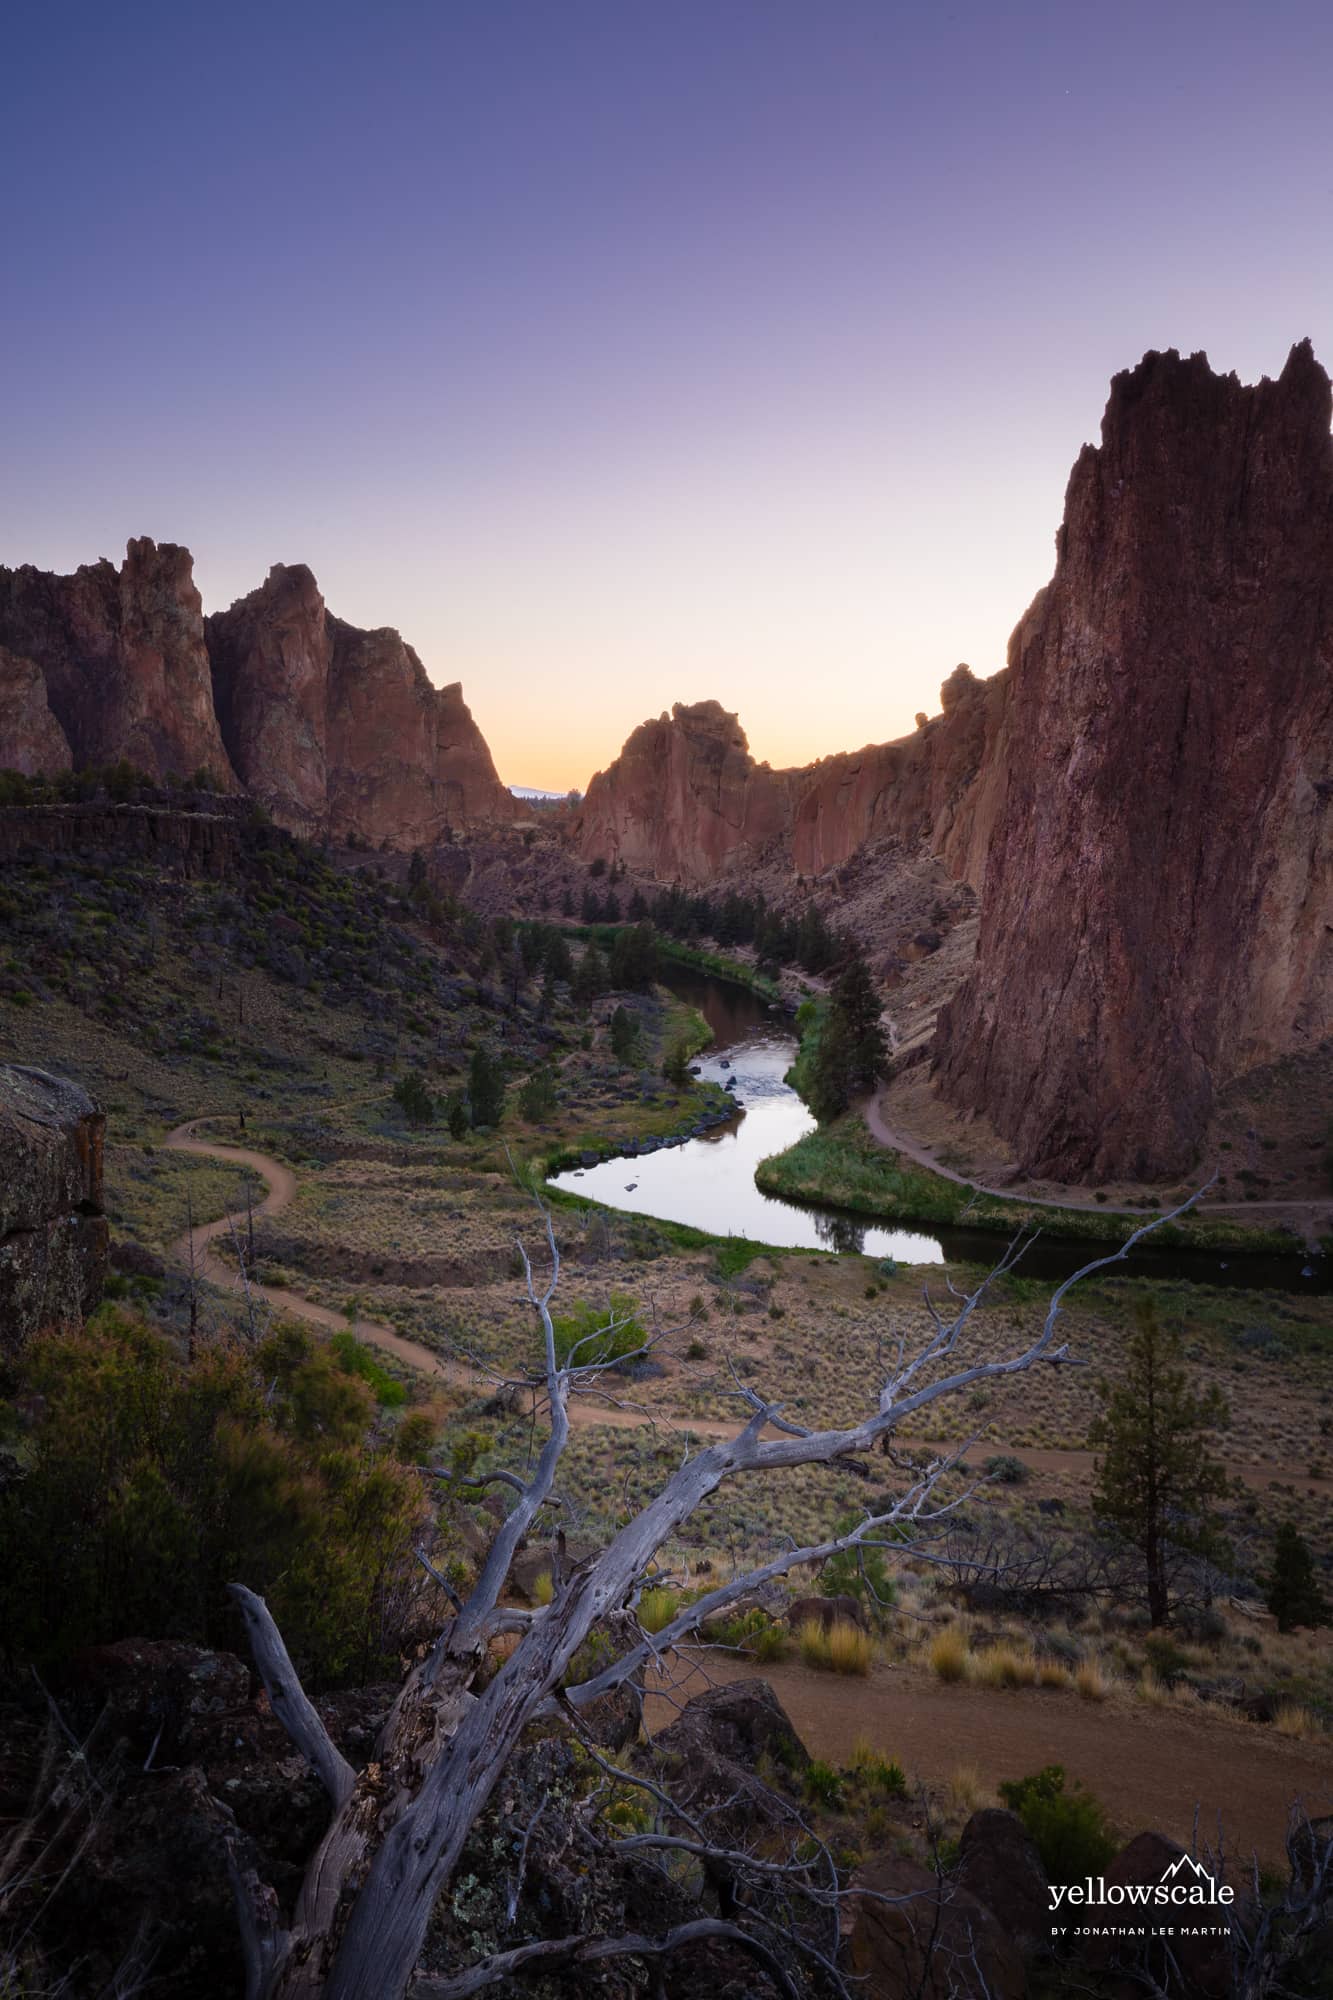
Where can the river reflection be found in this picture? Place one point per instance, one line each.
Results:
(709, 1182)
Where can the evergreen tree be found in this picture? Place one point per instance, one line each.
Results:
(1156, 1484)
(676, 1066)
(413, 1098)
(590, 979)
(851, 1053)
(1292, 1591)
(536, 1100)
(624, 1033)
(634, 959)
(457, 1118)
(485, 1088)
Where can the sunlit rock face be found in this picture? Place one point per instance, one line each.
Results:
(1158, 907)
(339, 731)
(123, 657)
(685, 801)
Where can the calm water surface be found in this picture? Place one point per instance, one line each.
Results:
(709, 1182)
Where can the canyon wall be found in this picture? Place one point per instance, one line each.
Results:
(685, 801)
(338, 732)
(1158, 914)
(122, 656)
(53, 1235)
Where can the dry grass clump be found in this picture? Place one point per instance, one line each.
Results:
(843, 1649)
(1050, 1674)
(1091, 1682)
(948, 1655)
(543, 1588)
(1294, 1719)
(967, 1789)
(657, 1608)
(1004, 1665)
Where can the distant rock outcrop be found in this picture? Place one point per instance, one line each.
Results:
(685, 801)
(53, 1235)
(123, 657)
(1158, 913)
(339, 731)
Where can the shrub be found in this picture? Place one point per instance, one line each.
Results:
(657, 1608)
(598, 1334)
(1005, 1666)
(823, 1785)
(355, 1358)
(848, 1648)
(880, 1774)
(1006, 1470)
(949, 1657)
(1069, 1828)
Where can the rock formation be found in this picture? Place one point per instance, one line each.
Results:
(1158, 914)
(31, 740)
(337, 732)
(53, 1236)
(340, 731)
(685, 801)
(123, 656)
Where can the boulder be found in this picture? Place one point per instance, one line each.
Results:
(998, 1863)
(1192, 1967)
(53, 1235)
(919, 1936)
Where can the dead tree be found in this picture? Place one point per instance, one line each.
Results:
(398, 1826)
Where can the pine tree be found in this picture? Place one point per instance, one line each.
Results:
(851, 1053)
(591, 977)
(1156, 1483)
(485, 1088)
(1292, 1591)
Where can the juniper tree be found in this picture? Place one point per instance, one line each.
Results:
(1156, 1483)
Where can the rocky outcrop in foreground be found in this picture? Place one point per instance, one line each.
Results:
(338, 732)
(53, 1235)
(1158, 910)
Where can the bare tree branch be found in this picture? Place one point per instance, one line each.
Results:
(290, 1702)
(567, 1951)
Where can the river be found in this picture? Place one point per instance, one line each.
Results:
(709, 1182)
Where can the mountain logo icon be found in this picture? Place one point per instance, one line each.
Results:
(1183, 1862)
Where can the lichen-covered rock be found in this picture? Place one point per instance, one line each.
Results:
(31, 740)
(124, 660)
(1156, 916)
(998, 1863)
(53, 1235)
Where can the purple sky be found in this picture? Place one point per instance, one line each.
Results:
(621, 354)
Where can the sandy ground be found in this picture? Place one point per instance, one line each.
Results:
(1149, 1767)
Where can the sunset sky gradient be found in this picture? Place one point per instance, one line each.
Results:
(621, 353)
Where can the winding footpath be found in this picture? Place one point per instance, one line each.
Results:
(197, 1250)
(1315, 1215)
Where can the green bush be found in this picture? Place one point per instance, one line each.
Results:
(355, 1358)
(598, 1334)
(151, 1483)
(1069, 1828)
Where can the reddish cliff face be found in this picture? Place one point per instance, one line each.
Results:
(685, 801)
(270, 664)
(1158, 914)
(340, 731)
(31, 740)
(940, 787)
(53, 1235)
(123, 656)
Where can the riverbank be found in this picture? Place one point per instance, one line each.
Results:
(841, 1165)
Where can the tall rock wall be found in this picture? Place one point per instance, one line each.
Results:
(338, 732)
(685, 801)
(123, 658)
(1158, 914)
(52, 1231)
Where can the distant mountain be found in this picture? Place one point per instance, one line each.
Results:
(536, 792)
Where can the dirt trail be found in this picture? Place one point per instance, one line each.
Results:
(282, 1184)
(1315, 1214)
(1149, 1767)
